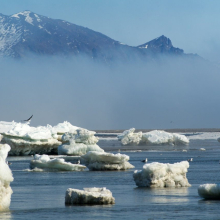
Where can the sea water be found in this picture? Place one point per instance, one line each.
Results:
(41, 195)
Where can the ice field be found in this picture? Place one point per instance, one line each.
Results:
(41, 195)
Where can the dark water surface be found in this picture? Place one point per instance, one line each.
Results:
(40, 195)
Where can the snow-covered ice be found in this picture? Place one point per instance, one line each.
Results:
(25, 140)
(129, 137)
(79, 142)
(154, 137)
(57, 164)
(162, 175)
(5, 178)
(64, 127)
(106, 161)
(99, 196)
(209, 191)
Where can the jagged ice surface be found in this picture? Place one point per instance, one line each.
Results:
(209, 191)
(5, 178)
(25, 140)
(106, 161)
(57, 164)
(93, 195)
(155, 137)
(79, 142)
(162, 175)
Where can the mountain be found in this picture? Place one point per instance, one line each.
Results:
(161, 45)
(27, 32)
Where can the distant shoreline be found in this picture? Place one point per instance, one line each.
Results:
(168, 130)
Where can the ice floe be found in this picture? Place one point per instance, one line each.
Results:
(79, 143)
(106, 161)
(25, 140)
(162, 175)
(57, 164)
(64, 127)
(5, 178)
(99, 196)
(209, 191)
(154, 137)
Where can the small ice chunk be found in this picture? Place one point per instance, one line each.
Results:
(202, 149)
(162, 175)
(57, 164)
(99, 196)
(5, 178)
(106, 161)
(209, 191)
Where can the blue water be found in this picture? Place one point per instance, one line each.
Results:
(40, 195)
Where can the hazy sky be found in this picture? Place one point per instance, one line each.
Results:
(192, 25)
(172, 94)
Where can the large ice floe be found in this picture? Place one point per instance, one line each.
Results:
(5, 178)
(209, 191)
(155, 137)
(44, 163)
(79, 143)
(98, 196)
(162, 175)
(25, 140)
(106, 161)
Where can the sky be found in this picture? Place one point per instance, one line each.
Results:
(175, 93)
(191, 25)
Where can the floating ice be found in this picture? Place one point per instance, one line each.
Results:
(79, 142)
(209, 191)
(129, 137)
(25, 140)
(153, 137)
(162, 175)
(58, 164)
(94, 195)
(5, 178)
(106, 161)
(6, 126)
(28, 147)
(64, 127)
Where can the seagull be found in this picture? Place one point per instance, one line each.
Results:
(28, 120)
(78, 162)
(144, 161)
(190, 160)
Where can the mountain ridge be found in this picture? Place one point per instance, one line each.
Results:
(27, 32)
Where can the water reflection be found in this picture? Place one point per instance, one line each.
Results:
(162, 195)
(5, 215)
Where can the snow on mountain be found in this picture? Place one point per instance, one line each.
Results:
(27, 32)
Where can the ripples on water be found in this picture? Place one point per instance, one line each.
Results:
(40, 195)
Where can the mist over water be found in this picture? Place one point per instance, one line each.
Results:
(169, 93)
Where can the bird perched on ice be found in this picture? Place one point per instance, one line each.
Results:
(144, 161)
(190, 160)
(78, 162)
(28, 120)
